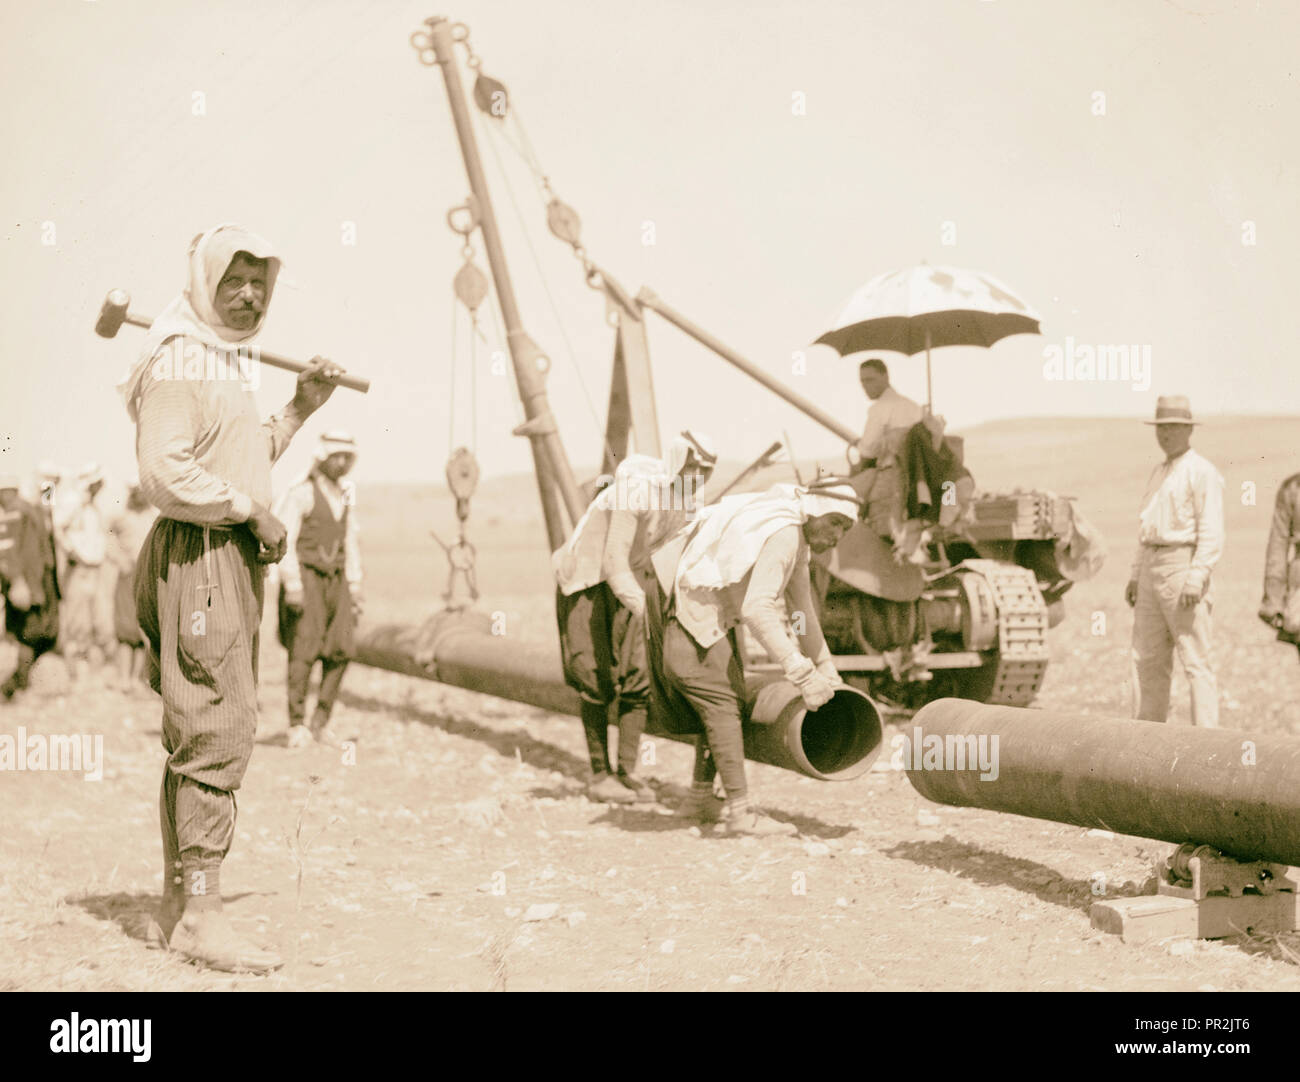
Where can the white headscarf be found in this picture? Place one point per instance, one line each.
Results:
(579, 562)
(330, 443)
(686, 444)
(193, 314)
(334, 442)
(91, 473)
(733, 531)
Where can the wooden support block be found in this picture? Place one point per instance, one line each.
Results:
(1141, 920)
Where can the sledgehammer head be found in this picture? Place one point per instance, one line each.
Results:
(113, 314)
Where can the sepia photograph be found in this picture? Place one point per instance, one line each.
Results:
(681, 497)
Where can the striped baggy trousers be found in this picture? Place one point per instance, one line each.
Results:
(199, 603)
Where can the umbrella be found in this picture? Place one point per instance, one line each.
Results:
(915, 309)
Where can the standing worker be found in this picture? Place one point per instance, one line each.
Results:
(747, 563)
(27, 582)
(1180, 539)
(1280, 608)
(88, 585)
(45, 493)
(205, 463)
(320, 583)
(602, 573)
(127, 530)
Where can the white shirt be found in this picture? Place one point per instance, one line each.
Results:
(891, 410)
(777, 584)
(297, 504)
(204, 456)
(84, 532)
(623, 524)
(1183, 505)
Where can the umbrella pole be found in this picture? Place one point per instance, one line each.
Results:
(929, 392)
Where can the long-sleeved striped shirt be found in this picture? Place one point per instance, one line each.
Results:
(203, 454)
(1183, 505)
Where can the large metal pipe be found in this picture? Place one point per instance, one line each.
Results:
(459, 648)
(1235, 791)
(839, 742)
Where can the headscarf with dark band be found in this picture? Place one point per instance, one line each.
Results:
(734, 530)
(193, 314)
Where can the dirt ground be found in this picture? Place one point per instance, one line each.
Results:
(459, 852)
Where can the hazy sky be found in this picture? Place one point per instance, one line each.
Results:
(131, 126)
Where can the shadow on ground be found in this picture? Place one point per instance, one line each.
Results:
(994, 869)
(131, 912)
(545, 756)
(536, 753)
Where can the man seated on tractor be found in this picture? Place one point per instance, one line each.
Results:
(909, 476)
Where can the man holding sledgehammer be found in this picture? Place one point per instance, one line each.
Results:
(205, 462)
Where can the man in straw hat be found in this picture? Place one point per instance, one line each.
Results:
(746, 562)
(602, 573)
(320, 583)
(205, 463)
(1180, 538)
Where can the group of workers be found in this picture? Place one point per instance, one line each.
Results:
(650, 600)
(67, 561)
(68, 554)
(655, 594)
(653, 590)
(1180, 539)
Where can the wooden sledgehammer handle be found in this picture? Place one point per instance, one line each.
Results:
(354, 383)
(114, 313)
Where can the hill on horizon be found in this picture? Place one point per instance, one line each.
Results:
(1025, 452)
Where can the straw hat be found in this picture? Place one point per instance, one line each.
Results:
(1172, 409)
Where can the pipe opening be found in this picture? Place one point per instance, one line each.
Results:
(842, 738)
